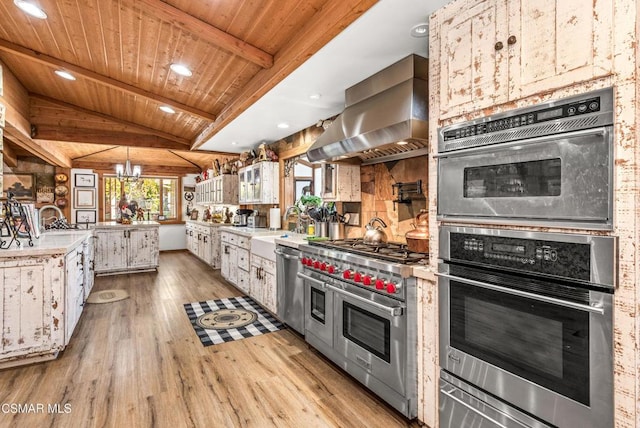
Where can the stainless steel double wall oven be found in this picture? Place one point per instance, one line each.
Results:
(526, 335)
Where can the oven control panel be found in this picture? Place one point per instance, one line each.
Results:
(531, 255)
(517, 120)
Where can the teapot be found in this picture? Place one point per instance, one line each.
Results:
(375, 235)
(418, 239)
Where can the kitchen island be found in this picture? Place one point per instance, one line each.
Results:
(127, 248)
(43, 292)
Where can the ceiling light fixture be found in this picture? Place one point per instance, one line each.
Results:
(126, 173)
(181, 69)
(65, 74)
(420, 30)
(30, 9)
(167, 109)
(315, 96)
(402, 143)
(283, 125)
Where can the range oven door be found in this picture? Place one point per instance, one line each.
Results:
(563, 180)
(318, 311)
(551, 357)
(371, 331)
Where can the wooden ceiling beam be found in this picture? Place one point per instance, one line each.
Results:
(9, 156)
(50, 61)
(334, 17)
(131, 125)
(109, 168)
(206, 32)
(102, 137)
(45, 150)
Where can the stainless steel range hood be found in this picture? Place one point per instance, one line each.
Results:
(386, 108)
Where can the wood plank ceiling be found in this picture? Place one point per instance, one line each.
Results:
(120, 52)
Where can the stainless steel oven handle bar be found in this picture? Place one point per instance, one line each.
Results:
(473, 409)
(595, 309)
(286, 256)
(394, 311)
(315, 281)
(534, 140)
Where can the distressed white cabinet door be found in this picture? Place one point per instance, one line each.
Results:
(233, 265)
(244, 282)
(269, 286)
(225, 260)
(558, 43)
(255, 283)
(74, 291)
(89, 265)
(32, 305)
(473, 69)
(111, 250)
(144, 248)
(215, 248)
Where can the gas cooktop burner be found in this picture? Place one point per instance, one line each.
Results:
(391, 251)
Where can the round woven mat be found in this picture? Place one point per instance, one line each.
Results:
(107, 296)
(224, 319)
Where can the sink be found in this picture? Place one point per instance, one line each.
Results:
(264, 246)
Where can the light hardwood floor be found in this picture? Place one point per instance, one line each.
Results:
(139, 363)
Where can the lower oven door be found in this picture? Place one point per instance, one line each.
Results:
(371, 332)
(548, 356)
(318, 311)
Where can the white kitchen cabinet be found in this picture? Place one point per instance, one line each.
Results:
(235, 259)
(491, 51)
(89, 251)
(220, 190)
(43, 297)
(203, 241)
(340, 182)
(263, 287)
(259, 183)
(127, 248)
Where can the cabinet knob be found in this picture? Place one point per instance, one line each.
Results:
(498, 46)
(512, 40)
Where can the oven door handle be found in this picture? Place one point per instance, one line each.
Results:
(483, 415)
(598, 309)
(285, 256)
(394, 311)
(535, 140)
(311, 279)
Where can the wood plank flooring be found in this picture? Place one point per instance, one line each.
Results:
(138, 363)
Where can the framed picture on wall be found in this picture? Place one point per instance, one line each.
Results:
(23, 186)
(85, 198)
(85, 180)
(85, 216)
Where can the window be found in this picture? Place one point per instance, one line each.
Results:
(155, 195)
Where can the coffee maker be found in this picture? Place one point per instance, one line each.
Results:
(241, 217)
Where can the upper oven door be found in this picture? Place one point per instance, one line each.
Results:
(563, 180)
(318, 309)
(371, 331)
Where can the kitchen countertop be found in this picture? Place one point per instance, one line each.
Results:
(424, 272)
(290, 239)
(59, 242)
(251, 231)
(208, 223)
(116, 225)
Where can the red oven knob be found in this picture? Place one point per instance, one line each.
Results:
(309, 261)
(346, 274)
(316, 264)
(303, 260)
(391, 288)
(331, 269)
(323, 266)
(357, 277)
(379, 284)
(366, 280)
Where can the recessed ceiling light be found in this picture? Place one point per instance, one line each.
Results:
(167, 109)
(315, 96)
(30, 8)
(402, 143)
(283, 125)
(420, 30)
(65, 74)
(181, 69)
(233, 143)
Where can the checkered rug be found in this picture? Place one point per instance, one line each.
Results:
(264, 322)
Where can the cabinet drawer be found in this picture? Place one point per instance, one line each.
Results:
(269, 266)
(243, 281)
(243, 242)
(225, 237)
(243, 259)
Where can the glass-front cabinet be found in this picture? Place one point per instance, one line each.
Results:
(259, 183)
(222, 189)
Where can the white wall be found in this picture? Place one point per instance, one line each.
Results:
(172, 237)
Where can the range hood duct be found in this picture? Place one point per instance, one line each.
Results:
(382, 110)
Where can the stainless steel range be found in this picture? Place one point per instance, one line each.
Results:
(360, 312)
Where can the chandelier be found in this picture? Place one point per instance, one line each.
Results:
(126, 173)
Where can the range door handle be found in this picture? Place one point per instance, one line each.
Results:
(285, 256)
(512, 423)
(311, 279)
(598, 309)
(394, 311)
